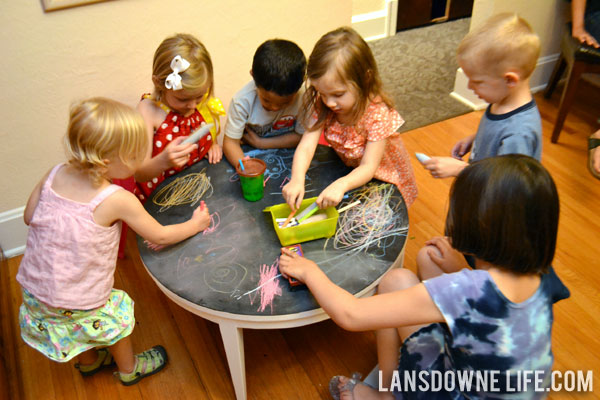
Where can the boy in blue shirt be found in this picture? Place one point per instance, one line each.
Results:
(498, 58)
(263, 114)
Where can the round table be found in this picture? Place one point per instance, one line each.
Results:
(228, 274)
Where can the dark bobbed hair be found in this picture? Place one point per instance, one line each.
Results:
(279, 66)
(504, 210)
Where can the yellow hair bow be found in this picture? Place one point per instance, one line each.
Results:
(211, 110)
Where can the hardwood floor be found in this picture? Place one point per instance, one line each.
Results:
(298, 363)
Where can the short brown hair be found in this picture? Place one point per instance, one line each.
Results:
(504, 210)
(504, 42)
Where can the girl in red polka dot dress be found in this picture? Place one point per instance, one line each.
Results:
(182, 102)
(346, 102)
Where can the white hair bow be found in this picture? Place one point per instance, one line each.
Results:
(173, 81)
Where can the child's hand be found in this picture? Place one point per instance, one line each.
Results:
(291, 264)
(215, 153)
(448, 259)
(201, 216)
(154, 246)
(177, 154)
(293, 193)
(251, 138)
(462, 147)
(331, 195)
(444, 167)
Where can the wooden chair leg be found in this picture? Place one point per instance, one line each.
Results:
(559, 68)
(568, 95)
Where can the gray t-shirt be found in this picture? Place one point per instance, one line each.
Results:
(245, 110)
(516, 132)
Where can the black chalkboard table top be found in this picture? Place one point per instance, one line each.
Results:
(228, 274)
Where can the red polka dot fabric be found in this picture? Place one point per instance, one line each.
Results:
(173, 126)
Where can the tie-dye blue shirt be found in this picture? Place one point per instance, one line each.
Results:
(485, 332)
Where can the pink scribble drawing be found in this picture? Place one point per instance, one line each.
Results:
(284, 181)
(268, 286)
(215, 220)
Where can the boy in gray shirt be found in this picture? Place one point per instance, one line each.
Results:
(263, 114)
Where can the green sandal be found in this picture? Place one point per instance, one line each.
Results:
(105, 359)
(593, 143)
(147, 363)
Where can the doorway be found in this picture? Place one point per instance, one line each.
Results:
(414, 13)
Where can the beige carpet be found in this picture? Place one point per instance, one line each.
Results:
(418, 68)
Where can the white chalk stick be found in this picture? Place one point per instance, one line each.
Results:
(281, 221)
(422, 157)
(347, 206)
(198, 134)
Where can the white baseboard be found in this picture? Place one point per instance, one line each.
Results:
(538, 81)
(13, 232)
(378, 24)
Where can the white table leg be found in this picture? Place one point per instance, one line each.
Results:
(233, 340)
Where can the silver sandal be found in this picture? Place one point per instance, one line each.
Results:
(334, 390)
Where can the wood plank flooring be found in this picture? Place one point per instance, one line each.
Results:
(298, 363)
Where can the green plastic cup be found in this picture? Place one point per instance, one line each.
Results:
(252, 178)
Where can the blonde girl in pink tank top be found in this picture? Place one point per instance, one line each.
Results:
(70, 308)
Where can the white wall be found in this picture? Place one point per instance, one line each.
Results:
(375, 19)
(366, 6)
(105, 49)
(546, 17)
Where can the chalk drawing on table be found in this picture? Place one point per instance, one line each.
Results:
(215, 221)
(347, 266)
(268, 286)
(375, 222)
(226, 278)
(188, 189)
(370, 227)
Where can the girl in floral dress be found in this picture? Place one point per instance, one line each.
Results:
(346, 102)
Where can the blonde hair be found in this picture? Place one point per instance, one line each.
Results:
(200, 71)
(101, 128)
(346, 51)
(198, 75)
(504, 42)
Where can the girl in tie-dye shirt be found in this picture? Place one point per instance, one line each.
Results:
(494, 322)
